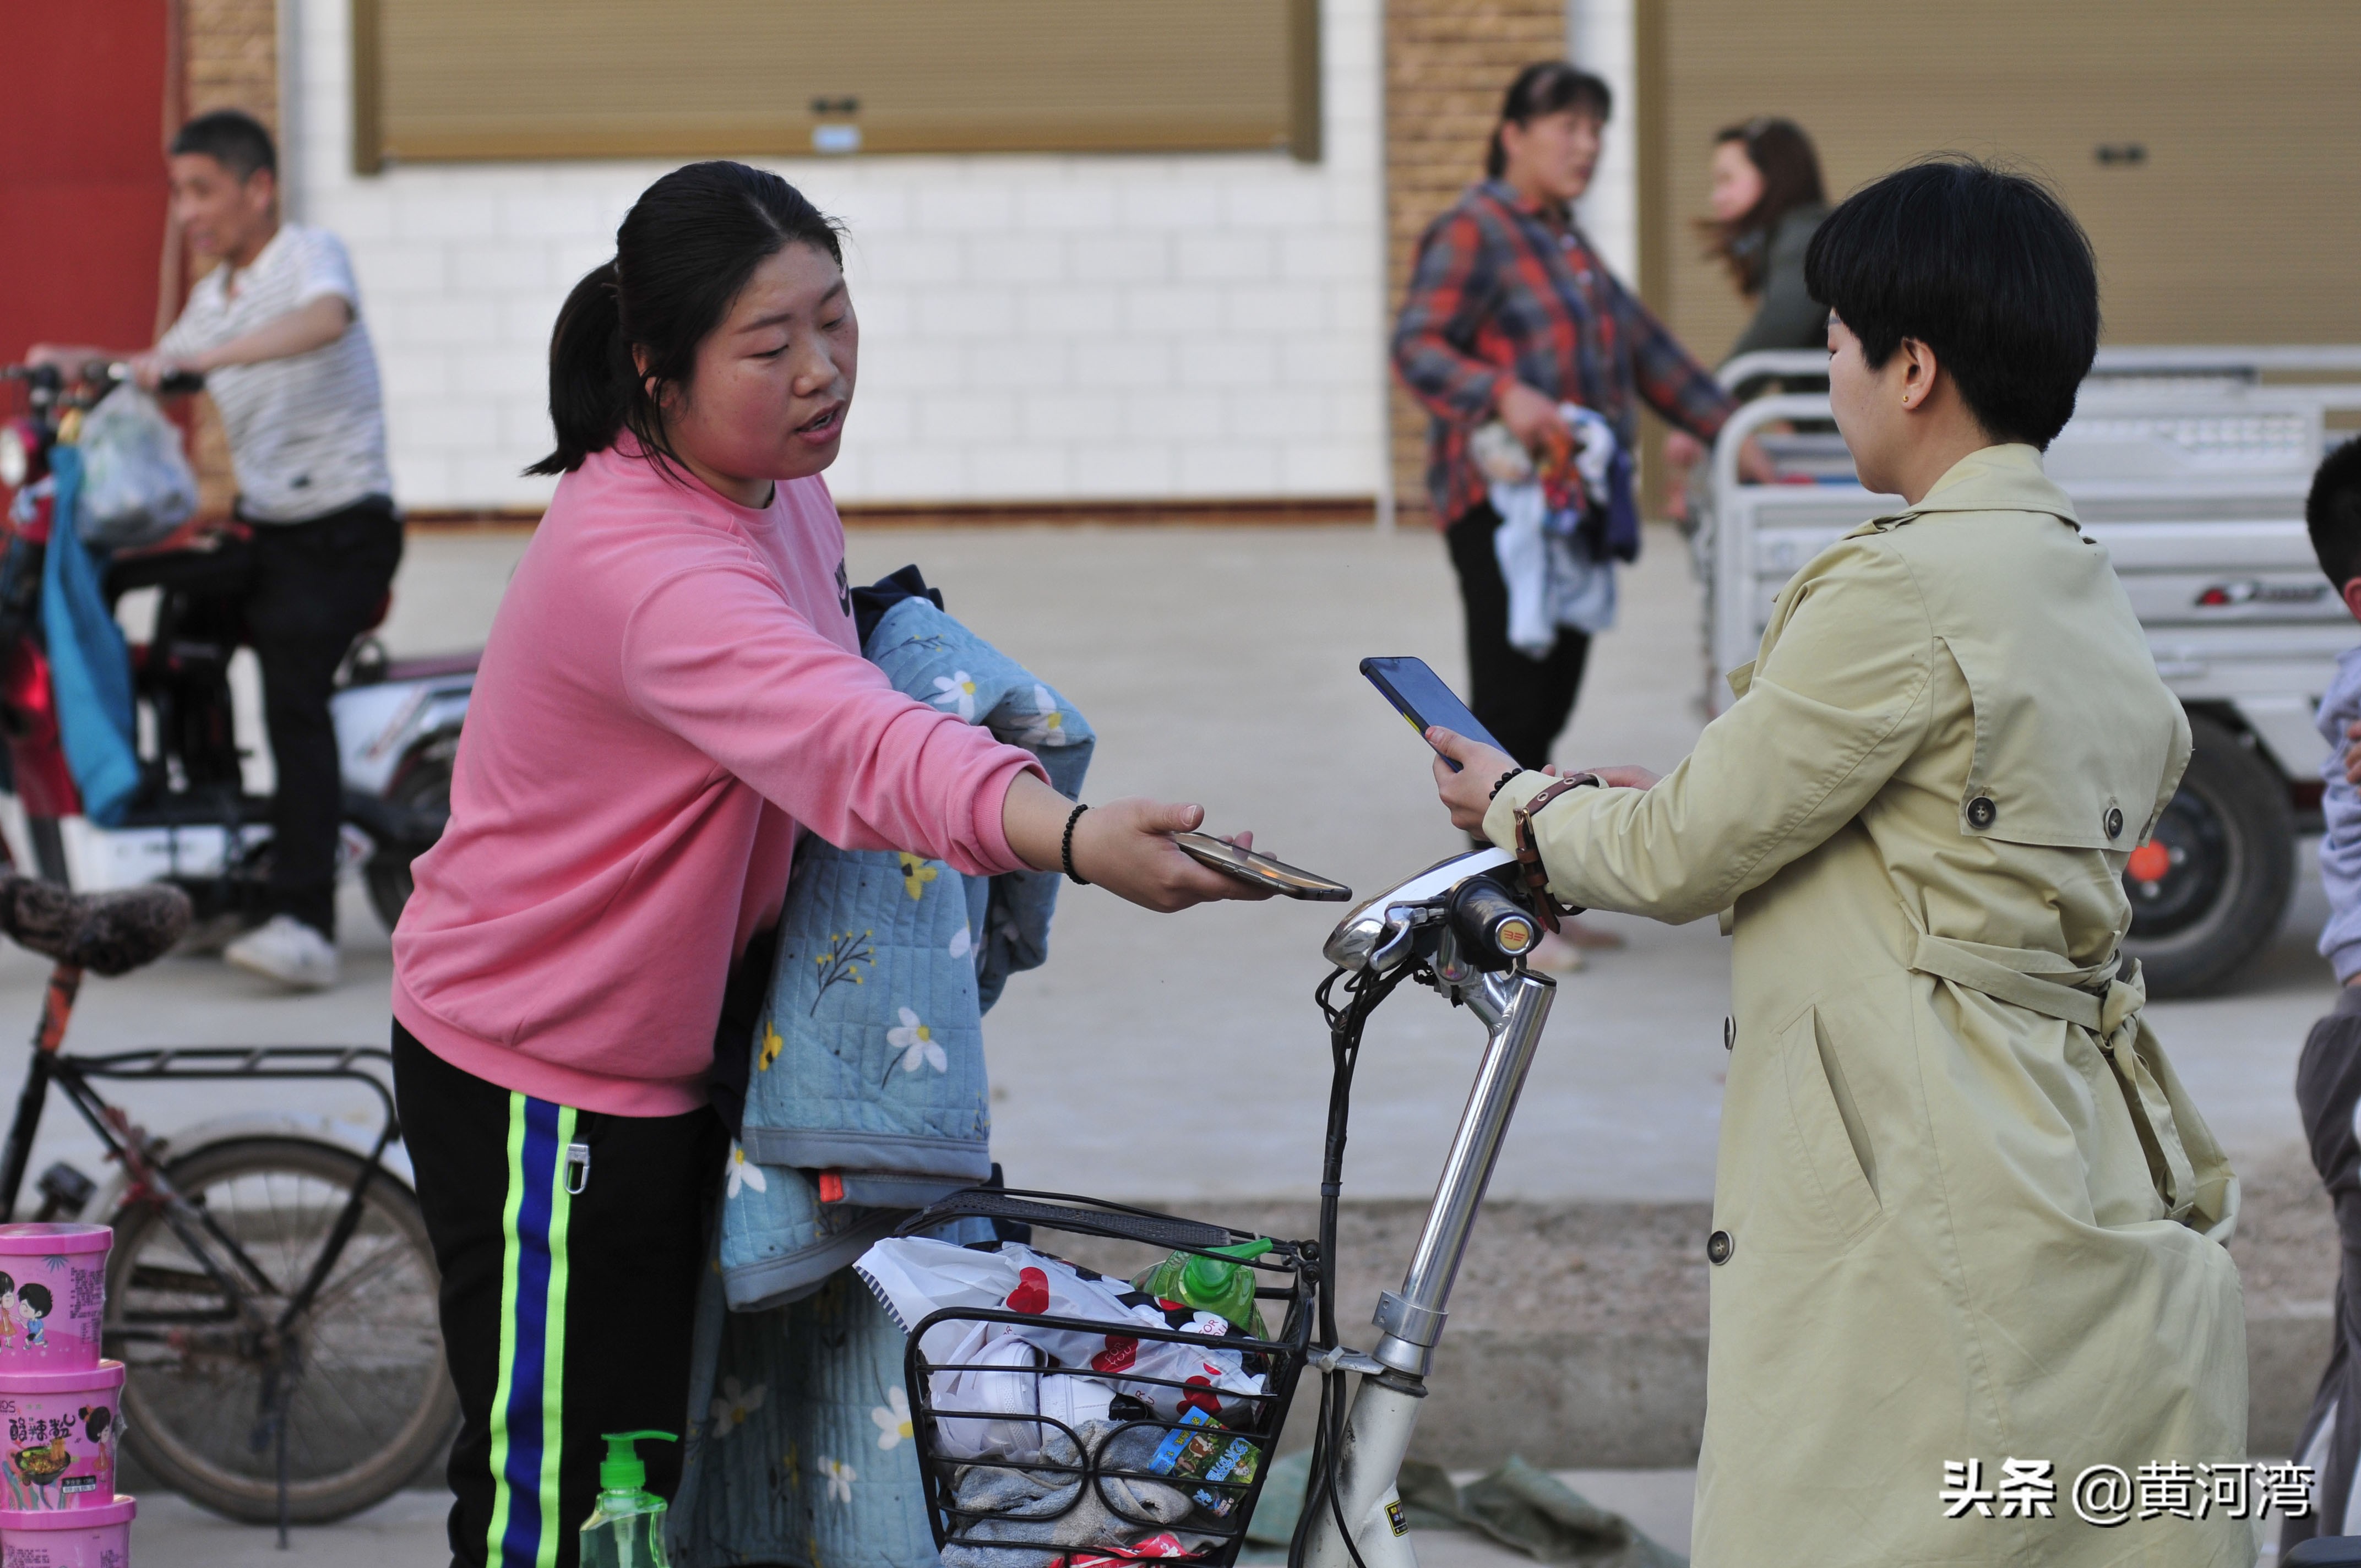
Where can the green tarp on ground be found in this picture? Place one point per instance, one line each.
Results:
(1523, 1508)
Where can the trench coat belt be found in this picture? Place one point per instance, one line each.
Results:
(2039, 981)
(2044, 982)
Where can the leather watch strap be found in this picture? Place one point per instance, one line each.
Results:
(1529, 853)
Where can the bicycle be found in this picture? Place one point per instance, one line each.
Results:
(272, 1297)
(1461, 928)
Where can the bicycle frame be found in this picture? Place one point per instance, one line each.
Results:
(231, 1269)
(1513, 1005)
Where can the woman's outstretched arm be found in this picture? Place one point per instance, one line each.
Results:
(1121, 846)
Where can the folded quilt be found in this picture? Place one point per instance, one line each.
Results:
(867, 1095)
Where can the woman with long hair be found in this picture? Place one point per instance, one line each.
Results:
(673, 692)
(1767, 203)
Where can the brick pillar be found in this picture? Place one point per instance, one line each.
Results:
(229, 59)
(1447, 64)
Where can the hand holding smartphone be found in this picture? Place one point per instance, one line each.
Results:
(1419, 694)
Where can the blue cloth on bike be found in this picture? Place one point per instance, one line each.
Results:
(90, 666)
(867, 1096)
(799, 1445)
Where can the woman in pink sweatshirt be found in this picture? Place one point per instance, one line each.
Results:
(673, 691)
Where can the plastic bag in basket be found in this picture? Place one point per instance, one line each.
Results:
(1003, 1375)
(137, 486)
(915, 1277)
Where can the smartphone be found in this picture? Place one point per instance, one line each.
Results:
(1419, 694)
(1248, 865)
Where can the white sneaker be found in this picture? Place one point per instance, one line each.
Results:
(288, 951)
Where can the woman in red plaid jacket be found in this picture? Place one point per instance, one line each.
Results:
(1511, 314)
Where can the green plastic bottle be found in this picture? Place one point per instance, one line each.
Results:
(626, 1530)
(1212, 1284)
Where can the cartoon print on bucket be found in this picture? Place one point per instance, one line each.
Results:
(58, 1432)
(52, 1295)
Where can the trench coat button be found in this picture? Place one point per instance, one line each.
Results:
(1719, 1246)
(2114, 822)
(1981, 812)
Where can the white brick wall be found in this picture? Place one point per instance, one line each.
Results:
(1032, 327)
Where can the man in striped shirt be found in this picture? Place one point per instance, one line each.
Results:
(276, 330)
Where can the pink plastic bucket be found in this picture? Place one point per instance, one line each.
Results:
(57, 1438)
(86, 1538)
(52, 1295)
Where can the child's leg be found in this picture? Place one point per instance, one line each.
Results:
(2327, 1092)
(566, 1314)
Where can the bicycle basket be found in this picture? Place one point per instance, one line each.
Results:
(1060, 1440)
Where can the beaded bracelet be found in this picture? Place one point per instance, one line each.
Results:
(1497, 788)
(1065, 850)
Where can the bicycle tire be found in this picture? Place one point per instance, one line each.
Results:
(425, 789)
(374, 1404)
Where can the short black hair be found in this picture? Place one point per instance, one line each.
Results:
(231, 138)
(1546, 87)
(2333, 514)
(35, 1296)
(1985, 267)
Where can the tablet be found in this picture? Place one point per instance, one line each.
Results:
(1419, 694)
(1260, 870)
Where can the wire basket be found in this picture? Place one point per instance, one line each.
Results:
(1055, 1442)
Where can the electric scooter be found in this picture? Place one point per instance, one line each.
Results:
(1463, 928)
(1458, 930)
(193, 823)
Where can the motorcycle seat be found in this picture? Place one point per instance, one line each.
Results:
(108, 933)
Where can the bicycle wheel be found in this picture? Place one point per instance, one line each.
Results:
(372, 1403)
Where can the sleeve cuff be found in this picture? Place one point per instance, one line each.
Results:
(992, 820)
(1500, 816)
(2346, 959)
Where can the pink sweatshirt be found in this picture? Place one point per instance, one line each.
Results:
(672, 687)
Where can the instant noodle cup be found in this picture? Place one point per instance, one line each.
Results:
(58, 1432)
(98, 1537)
(52, 1295)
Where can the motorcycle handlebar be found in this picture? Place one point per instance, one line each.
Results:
(101, 373)
(1493, 927)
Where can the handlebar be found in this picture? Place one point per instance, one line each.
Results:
(1454, 912)
(1494, 929)
(48, 382)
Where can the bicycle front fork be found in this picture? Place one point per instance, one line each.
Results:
(1393, 1378)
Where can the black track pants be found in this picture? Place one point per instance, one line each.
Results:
(2327, 1089)
(316, 586)
(569, 1288)
(1524, 702)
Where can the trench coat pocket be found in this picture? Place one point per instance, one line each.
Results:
(1837, 1156)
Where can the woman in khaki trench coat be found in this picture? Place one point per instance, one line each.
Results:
(1967, 1226)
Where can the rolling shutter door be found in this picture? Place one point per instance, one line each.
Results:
(442, 80)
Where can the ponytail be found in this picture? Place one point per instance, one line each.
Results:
(687, 246)
(592, 389)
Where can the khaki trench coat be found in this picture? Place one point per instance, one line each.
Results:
(1963, 1209)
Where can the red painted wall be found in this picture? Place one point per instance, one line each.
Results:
(82, 172)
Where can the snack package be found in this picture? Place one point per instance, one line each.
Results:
(1164, 1544)
(1202, 1448)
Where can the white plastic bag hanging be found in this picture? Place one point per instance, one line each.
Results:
(137, 485)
